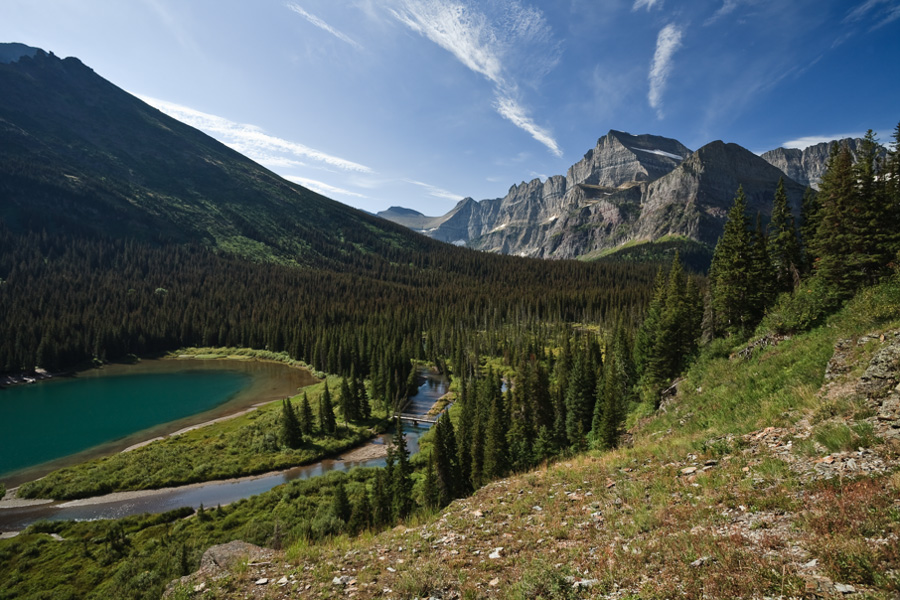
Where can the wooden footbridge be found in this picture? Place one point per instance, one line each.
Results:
(415, 420)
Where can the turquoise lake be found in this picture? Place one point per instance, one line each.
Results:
(50, 420)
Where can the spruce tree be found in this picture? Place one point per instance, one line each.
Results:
(306, 416)
(496, 453)
(401, 483)
(382, 511)
(580, 399)
(810, 216)
(347, 402)
(327, 422)
(430, 493)
(446, 460)
(291, 434)
(730, 284)
(611, 400)
(834, 248)
(784, 247)
(762, 276)
(361, 515)
(340, 504)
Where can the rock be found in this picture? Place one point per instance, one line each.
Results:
(703, 560)
(842, 588)
(262, 581)
(282, 581)
(585, 583)
(496, 553)
(226, 556)
(807, 166)
(342, 580)
(200, 587)
(494, 582)
(688, 470)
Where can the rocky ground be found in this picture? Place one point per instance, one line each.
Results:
(774, 513)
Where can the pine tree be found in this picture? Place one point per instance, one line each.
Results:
(327, 422)
(347, 402)
(645, 340)
(446, 461)
(762, 276)
(430, 493)
(784, 247)
(731, 287)
(382, 512)
(611, 400)
(580, 400)
(340, 504)
(401, 483)
(362, 514)
(835, 245)
(306, 416)
(291, 434)
(810, 217)
(496, 453)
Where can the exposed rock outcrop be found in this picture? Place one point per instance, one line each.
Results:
(806, 166)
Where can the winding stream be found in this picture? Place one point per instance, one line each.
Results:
(214, 493)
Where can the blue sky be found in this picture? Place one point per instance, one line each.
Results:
(420, 103)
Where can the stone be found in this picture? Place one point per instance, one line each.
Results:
(703, 560)
(688, 470)
(494, 582)
(496, 553)
(342, 580)
(842, 588)
(262, 581)
(282, 581)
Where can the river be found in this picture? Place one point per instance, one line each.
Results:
(216, 492)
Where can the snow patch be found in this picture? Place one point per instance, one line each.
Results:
(459, 243)
(660, 153)
(498, 228)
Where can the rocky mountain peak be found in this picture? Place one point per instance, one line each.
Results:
(620, 158)
(808, 165)
(12, 52)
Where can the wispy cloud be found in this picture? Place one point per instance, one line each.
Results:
(812, 140)
(516, 114)
(252, 141)
(435, 191)
(882, 12)
(667, 43)
(495, 40)
(313, 19)
(648, 4)
(728, 7)
(323, 188)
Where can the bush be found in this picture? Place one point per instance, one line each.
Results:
(801, 310)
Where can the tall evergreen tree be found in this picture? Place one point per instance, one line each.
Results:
(291, 434)
(784, 247)
(382, 510)
(732, 291)
(496, 453)
(430, 493)
(340, 504)
(838, 260)
(347, 402)
(580, 399)
(401, 482)
(327, 422)
(306, 416)
(446, 460)
(810, 217)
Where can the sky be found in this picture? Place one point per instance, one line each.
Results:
(420, 103)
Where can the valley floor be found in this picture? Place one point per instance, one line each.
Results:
(774, 476)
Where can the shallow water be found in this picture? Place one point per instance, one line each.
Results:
(218, 492)
(49, 424)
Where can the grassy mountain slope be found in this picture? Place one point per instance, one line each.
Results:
(773, 475)
(79, 154)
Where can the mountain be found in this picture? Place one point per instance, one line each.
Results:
(78, 153)
(629, 190)
(808, 165)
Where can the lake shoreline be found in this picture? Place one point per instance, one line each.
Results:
(265, 388)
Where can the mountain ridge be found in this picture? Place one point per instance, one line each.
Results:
(614, 196)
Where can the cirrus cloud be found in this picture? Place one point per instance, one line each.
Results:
(667, 43)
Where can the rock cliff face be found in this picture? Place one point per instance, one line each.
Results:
(807, 166)
(629, 188)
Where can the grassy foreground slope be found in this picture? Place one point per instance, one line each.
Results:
(761, 477)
